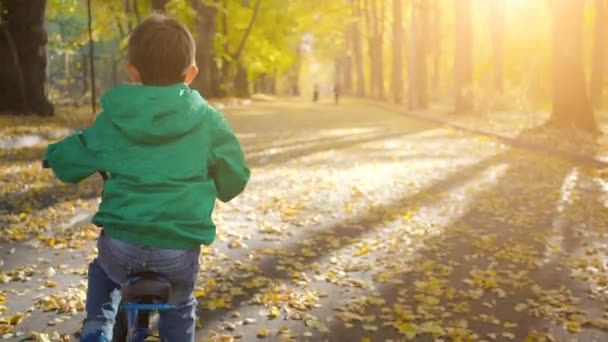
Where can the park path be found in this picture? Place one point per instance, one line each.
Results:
(358, 225)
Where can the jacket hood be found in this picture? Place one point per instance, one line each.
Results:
(153, 114)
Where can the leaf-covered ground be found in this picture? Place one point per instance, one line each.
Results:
(358, 225)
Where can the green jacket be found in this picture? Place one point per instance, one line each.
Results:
(169, 155)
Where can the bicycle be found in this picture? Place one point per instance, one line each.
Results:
(141, 295)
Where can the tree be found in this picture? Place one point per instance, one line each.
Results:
(498, 40)
(418, 89)
(241, 79)
(205, 23)
(358, 48)
(23, 57)
(599, 52)
(436, 46)
(375, 25)
(397, 51)
(571, 107)
(463, 57)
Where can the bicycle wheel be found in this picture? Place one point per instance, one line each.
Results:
(121, 326)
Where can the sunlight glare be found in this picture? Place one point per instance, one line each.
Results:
(517, 4)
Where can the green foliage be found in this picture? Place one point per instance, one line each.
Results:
(181, 10)
(270, 48)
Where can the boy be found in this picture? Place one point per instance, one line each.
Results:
(168, 154)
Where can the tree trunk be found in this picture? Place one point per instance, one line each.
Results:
(380, 56)
(237, 55)
(241, 79)
(92, 58)
(338, 70)
(571, 107)
(346, 79)
(369, 21)
(295, 73)
(127, 9)
(358, 50)
(463, 61)
(272, 83)
(241, 83)
(258, 85)
(436, 38)
(498, 40)
(599, 52)
(226, 83)
(23, 57)
(136, 11)
(412, 60)
(418, 93)
(397, 51)
(375, 24)
(423, 54)
(207, 80)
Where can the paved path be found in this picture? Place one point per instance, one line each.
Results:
(358, 223)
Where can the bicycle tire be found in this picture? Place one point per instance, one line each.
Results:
(121, 327)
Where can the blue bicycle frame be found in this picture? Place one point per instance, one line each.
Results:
(135, 331)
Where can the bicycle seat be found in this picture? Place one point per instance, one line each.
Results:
(146, 286)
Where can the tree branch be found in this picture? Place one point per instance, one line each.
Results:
(136, 11)
(237, 55)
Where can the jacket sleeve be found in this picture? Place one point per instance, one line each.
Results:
(71, 159)
(228, 167)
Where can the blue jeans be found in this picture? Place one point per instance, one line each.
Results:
(116, 261)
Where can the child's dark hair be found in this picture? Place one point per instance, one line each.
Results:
(162, 50)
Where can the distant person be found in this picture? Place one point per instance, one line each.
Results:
(315, 93)
(168, 154)
(337, 92)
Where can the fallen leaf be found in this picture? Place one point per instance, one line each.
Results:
(263, 332)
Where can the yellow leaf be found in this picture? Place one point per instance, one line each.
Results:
(351, 316)
(366, 339)
(362, 251)
(409, 330)
(263, 332)
(313, 323)
(217, 303)
(508, 335)
(40, 337)
(284, 330)
(368, 327)
(198, 293)
(430, 300)
(432, 328)
(50, 284)
(4, 278)
(15, 319)
(573, 326)
(307, 252)
(599, 323)
(521, 307)
(274, 312)
(236, 291)
(375, 300)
